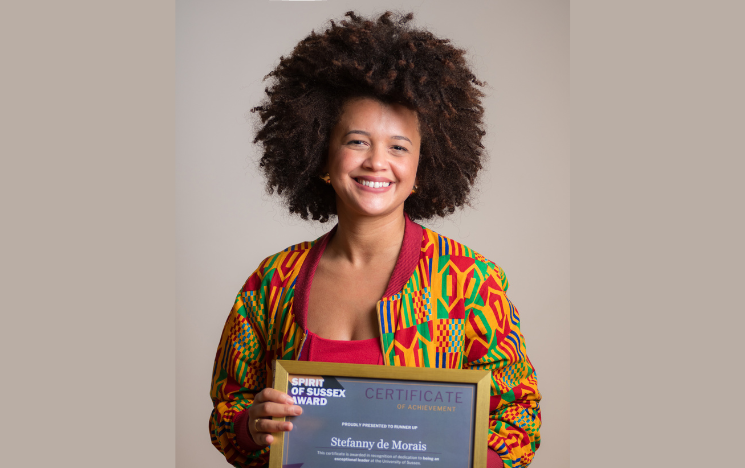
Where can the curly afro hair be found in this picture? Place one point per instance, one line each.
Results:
(387, 60)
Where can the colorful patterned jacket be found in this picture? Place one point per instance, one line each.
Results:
(445, 306)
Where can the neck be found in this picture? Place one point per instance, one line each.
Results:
(362, 241)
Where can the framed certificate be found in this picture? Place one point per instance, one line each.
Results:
(358, 415)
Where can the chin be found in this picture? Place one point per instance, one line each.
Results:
(369, 208)
(376, 213)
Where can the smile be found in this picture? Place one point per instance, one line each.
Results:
(368, 183)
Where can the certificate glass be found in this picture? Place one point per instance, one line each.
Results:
(356, 415)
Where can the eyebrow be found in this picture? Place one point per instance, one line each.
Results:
(362, 132)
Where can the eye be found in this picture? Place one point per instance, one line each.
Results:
(356, 142)
(399, 148)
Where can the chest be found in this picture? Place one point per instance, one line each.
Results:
(342, 302)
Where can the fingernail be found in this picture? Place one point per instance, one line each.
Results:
(297, 410)
(290, 401)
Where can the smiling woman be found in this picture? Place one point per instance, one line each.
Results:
(377, 123)
(372, 164)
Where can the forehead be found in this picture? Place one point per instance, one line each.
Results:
(376, 115)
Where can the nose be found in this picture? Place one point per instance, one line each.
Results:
(376, 158)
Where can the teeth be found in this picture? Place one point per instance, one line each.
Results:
(368, 183)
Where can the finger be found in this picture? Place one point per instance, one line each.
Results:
(269, 425)
(269, 409)
(270, 394)
(263, 438)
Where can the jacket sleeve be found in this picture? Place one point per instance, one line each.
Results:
(494, 342)
(239, 374)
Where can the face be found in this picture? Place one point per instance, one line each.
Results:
(373, 157)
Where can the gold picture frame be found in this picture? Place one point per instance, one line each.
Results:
(479, 379)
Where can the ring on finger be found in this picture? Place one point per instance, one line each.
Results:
(256, 424)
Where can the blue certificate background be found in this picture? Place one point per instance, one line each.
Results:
(447, 434)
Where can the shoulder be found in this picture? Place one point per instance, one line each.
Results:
(280, 267)
(444, 249)
(288, 256)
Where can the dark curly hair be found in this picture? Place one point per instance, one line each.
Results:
(387, 60)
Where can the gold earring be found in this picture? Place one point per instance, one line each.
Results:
(413, 190)
(326, 178)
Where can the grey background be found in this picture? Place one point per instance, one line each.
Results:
(226, 224)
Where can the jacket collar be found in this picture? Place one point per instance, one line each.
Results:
(408, 259)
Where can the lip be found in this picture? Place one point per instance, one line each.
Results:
(373, 179)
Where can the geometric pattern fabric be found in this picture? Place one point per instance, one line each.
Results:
(452, 313)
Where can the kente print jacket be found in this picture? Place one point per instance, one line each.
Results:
(444, 307)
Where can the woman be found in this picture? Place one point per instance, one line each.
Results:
(377, 123)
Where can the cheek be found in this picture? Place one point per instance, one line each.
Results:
(408, 169)
(337, 161)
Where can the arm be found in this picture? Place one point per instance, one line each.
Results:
(494, 342)
(244, 402)
(238, 375)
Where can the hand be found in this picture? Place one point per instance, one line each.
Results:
(270, 403)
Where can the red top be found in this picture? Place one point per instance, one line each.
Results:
(319, 349)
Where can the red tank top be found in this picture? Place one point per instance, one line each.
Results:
(320, 349)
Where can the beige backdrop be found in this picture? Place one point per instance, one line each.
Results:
(226, 224)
